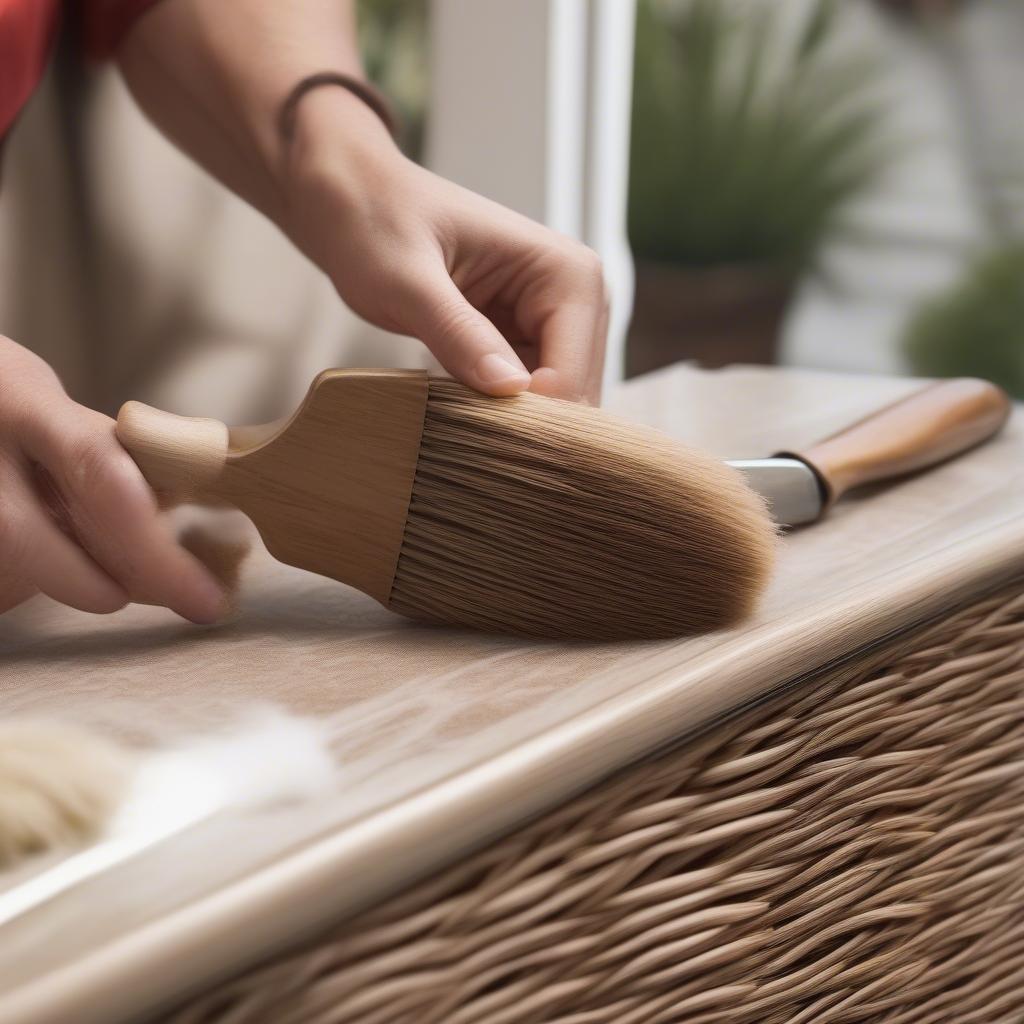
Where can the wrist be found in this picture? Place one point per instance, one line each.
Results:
(337, 143)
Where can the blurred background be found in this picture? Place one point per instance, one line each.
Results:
(859, 167)
(812, 183)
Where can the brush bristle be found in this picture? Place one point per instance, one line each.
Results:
(58, 785)
(547, 519)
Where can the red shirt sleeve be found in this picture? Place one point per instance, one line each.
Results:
(27, 29)
(104, 23)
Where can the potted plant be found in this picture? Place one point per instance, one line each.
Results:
(976, 328)
(748, 143)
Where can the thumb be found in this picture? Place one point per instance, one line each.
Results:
(463, 340)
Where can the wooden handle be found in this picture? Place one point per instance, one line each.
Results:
(936, 423)
(180, 457)
(328, 488)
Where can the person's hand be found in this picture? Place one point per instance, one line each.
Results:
(496, 297)
(502, 302)
(77, 520)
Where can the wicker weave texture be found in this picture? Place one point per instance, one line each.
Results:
(851, 850)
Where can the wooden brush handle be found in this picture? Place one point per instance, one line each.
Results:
(328, 488)
(931, 425)
(180, 457)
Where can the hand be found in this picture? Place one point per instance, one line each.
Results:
(502, 302)
(77, 520)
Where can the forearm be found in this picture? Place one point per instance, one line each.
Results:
(213, 77)
(501, 301)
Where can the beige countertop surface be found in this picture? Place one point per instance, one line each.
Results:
(446, 738)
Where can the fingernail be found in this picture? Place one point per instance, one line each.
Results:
(495, 369)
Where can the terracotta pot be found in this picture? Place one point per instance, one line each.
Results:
(715, 316)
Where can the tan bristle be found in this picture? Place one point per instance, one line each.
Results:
(553, 520)
(58, 785)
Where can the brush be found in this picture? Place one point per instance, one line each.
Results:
(62, 786)
(58, 784)
(927, 427)
(521, 515)
(528, 515)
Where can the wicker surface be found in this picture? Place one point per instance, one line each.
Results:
(851, 850)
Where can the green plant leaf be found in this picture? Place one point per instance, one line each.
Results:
(975, 328)
(817, 30)
(735, 159)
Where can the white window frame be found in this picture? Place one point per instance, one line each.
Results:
(530, 106)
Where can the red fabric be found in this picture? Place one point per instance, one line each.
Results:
(104, 23)
(27, 30)
(26, 34)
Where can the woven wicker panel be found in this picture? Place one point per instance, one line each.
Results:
(851, 850)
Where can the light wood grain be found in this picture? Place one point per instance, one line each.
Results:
(929, 426)
(328, 490)
(181, 457)
(448, 738)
